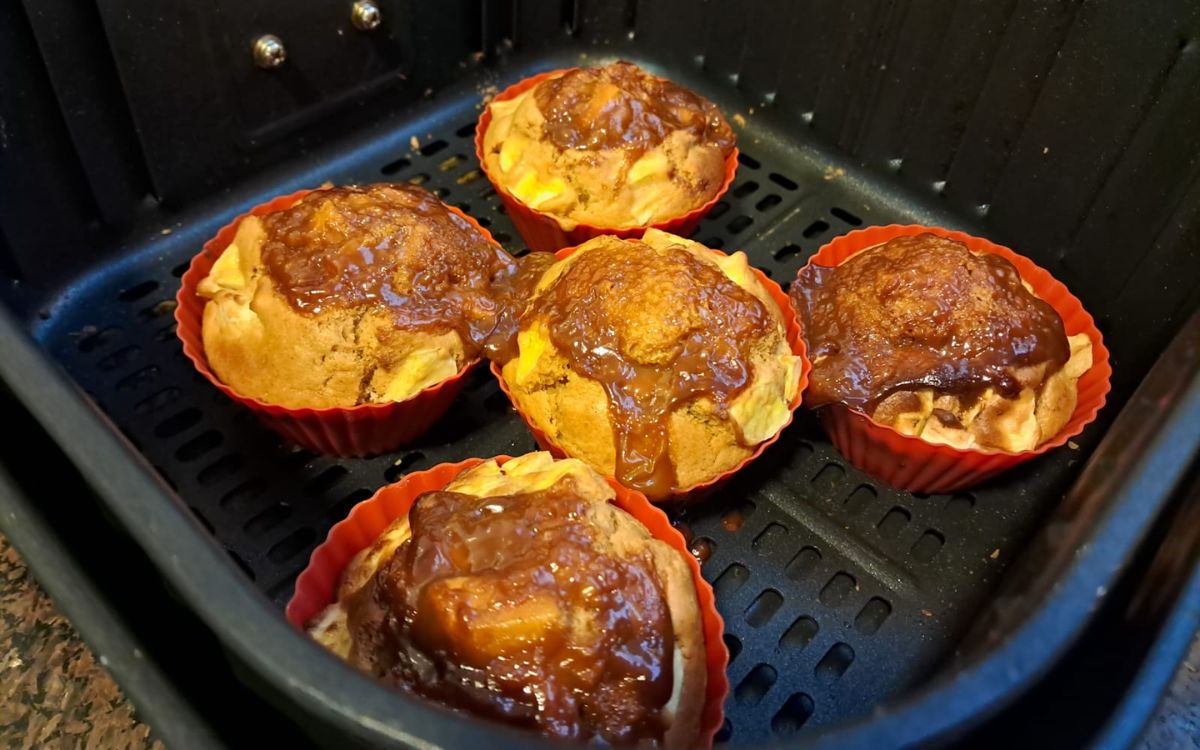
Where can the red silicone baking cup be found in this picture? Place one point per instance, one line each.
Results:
(317, 584)
(700, 491)
(913, 464)
(542, 231)
(364, 430)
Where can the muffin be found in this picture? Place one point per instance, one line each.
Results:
(352, 295)
(520, 593)
(611, 147)
(658, 361)
(936, 341)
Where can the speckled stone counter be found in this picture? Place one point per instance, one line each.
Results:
(53, 693)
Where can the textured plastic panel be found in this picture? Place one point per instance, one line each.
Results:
(837, 592)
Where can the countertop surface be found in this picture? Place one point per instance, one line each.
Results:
(56, 695)
(53, 693)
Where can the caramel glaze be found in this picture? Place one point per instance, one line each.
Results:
(656, 331)
(622, 106)
(505, 606)
(395, 248)
(922, 312)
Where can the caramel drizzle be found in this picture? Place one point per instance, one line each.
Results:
(610, 298)
(446, 617)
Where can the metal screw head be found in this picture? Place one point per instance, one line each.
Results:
(365, 15)
(269, 52)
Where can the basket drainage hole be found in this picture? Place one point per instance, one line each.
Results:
(429, 149)
(119, 358)
(959, 505)
(783, 182)
(402, 465)
(800, 634)
(859, 500)
(323, 482)
(828, 477)
(199, 445)
(181, 269)
(815, 229)
(768, 202)
(177, 423)
(733, 520)
(746, 188)
(225, 466)
(894, 522)
(846, 216)
(733, 644)
(137, 291)
(739, 224)
(787, 251)
(267, 520)
(770, 538)
(730, 580)
(872, 615)
(244, 492)
(718, 210)
(838, 589)
(748, 161)
(763, 608)
(793, 715)
(291, 545)
(751, 690)
(135, 380)
(466, 130)
(91, 339)
(803, 563)
(341, 509)
(451, 163)
(927, 547)
(392, 167)
(835, 662)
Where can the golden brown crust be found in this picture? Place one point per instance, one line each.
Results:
(329, 328)
(573, 410)
(654, 169)
(622, 536)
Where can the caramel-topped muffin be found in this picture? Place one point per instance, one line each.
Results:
(520, 593)
(358, 294)
(939, 342)
(658, 361)
(612, 146)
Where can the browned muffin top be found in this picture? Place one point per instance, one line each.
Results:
(513, 607)
(656, 330)
(390, 247)
(622, 106)
(921, 311)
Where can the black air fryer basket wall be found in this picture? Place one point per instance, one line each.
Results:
(857, 614)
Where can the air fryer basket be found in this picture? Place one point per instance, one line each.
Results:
(854, 613)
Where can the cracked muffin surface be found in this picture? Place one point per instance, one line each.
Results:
(609, 146)
(659, 362)
(354, 295)
(940, 342)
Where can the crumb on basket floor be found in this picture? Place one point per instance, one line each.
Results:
(53, 692)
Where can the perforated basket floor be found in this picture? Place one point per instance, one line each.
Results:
(836, 592)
